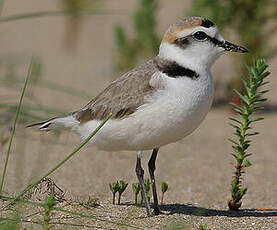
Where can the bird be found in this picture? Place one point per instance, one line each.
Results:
(158, 102)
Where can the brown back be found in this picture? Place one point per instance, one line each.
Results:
(122, 97)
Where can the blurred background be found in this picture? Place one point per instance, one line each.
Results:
(80, 46)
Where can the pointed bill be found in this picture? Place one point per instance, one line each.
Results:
(228, 46)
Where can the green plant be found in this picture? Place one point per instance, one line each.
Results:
(14, 125)
(164, 188)
(251, 103)
(48, 208)
(136, 190)
(12, 222)
(203, 227)
(146, 42)
(147, 188)
(122, 187)
(77, 149)
(114, 187)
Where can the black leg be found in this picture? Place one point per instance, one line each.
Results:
(152, 167)
(140, 173)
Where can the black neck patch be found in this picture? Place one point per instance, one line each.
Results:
(173, 69)
(207, 23)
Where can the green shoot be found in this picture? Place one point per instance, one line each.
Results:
(74, 213)
(203, 227)
(251, 99)
(48, 207)
(164, 188)
(14, 125)
(114, 187)
(147, 188)
(136, 189)
(122, 186)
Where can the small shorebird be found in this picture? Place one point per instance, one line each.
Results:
(158, 102)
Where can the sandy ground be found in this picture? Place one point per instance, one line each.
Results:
(197, 168)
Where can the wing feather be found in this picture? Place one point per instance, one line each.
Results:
(122, 97)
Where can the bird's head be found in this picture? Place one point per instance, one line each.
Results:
(195, 40)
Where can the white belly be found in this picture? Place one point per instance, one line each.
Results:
(172, 114)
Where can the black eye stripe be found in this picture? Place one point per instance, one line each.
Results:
(182, 41)
(215, 41)
(186, 41)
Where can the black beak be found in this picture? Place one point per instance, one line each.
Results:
(232, 47)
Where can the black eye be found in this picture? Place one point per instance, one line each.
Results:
(200, 35)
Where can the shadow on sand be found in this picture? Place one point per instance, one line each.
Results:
(199, 211)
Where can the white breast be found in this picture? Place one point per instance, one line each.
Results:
(170, 115)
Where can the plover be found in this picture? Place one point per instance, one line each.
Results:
(158, 102)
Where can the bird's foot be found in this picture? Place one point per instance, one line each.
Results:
(156, 211)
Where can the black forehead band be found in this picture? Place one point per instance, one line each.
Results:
(207, 23)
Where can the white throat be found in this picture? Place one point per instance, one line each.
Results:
(191, 57)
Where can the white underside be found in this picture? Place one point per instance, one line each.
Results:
(170, 115)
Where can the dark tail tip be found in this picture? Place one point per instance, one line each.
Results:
(44, 125)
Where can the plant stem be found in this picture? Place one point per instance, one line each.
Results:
(162, 199)
(119, 197)
(251, 98)
(113, 198)
(61, 163)
(14, 125)
(46, 220)
(48, 207)
(37, 204)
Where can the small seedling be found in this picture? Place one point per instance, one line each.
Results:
(136, 189)
(147, 188)
(203, 227)
(251, 100)
(114, 187)
(48, 207)
(164, 188)
(122, 186)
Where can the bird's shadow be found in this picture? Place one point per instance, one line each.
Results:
(187, 209)
(200, 211)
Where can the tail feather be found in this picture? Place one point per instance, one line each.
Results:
(43, 125)
(56, 123)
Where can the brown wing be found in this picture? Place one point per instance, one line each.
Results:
(122, 97)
